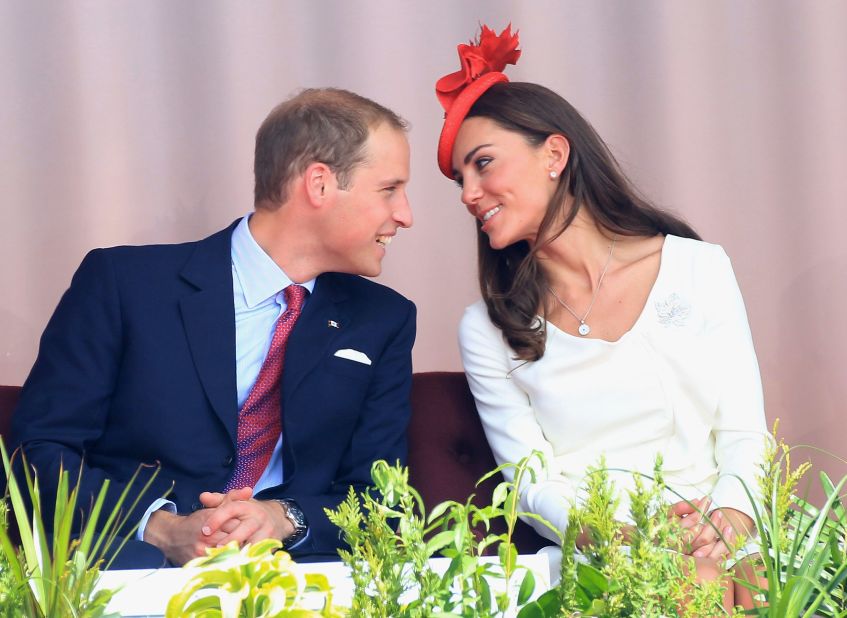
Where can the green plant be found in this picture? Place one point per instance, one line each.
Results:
(621, 571)
(256, 581)
(627, 570)
(392, 539)
(11, 593)
(803, 558)
(56, 576)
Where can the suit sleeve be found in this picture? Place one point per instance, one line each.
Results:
(66, 398)
(380, 433)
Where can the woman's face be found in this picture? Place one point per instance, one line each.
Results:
(505, 180)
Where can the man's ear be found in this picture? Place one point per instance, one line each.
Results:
(557, 149)
(320, 183)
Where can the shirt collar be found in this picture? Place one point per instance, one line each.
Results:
(260, 277)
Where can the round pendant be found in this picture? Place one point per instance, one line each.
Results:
(584, 329)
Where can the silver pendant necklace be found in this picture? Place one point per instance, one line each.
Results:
(584, 329)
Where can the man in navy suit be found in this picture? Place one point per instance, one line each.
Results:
(153, 350)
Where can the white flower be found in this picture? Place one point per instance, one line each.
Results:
(673, 311)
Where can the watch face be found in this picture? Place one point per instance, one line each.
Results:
(298, 520)
(296, 516)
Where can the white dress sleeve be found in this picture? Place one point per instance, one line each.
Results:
(508, 419)
(740, 428)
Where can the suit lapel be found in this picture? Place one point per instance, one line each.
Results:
(208, 315)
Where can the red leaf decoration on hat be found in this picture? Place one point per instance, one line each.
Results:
(491, 52)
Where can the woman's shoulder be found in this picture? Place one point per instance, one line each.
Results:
(475, 318)
(692, 247)
(695, 256)
(672, 250)
(476, 326)
(476, 309)
(698, 270)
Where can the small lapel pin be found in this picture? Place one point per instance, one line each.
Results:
(333, 324)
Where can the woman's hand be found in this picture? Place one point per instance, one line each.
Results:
(691, 517)
(710, 534)
(732, 524)
(701, 531)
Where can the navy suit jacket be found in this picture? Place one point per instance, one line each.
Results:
(137, 366)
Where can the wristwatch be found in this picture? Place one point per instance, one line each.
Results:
(295, 515)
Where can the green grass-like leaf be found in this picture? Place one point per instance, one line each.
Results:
(58, 576)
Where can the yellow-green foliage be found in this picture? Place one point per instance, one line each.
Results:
(803, 561)
(778, 484)
(392, 538)
(633, 570)
(256, 581)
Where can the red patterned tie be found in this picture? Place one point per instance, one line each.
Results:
(260, 421)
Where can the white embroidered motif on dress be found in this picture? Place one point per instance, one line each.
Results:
(673, 311)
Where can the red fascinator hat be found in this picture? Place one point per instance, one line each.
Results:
(482, 64)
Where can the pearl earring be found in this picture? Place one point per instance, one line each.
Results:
(553, 174)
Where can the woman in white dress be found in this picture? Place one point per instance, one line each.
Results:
(606, 326)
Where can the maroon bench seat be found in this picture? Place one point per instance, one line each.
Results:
(8, 399)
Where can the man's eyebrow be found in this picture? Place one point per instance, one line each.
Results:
(473, 152)
(395, 181)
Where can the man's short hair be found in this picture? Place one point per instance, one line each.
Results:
(326, 125)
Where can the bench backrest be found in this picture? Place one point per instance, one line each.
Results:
(448, 451)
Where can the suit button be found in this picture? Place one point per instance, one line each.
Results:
(228, 461)
(196, 506)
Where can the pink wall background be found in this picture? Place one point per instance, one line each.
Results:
(133, 122)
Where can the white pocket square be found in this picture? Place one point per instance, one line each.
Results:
(353, 355)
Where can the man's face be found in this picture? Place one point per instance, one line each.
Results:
(364, 217)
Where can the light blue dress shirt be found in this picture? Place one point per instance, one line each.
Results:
(257, 284)
(259, 300)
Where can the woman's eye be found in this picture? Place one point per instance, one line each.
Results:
(482, 162)
(458, 180)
